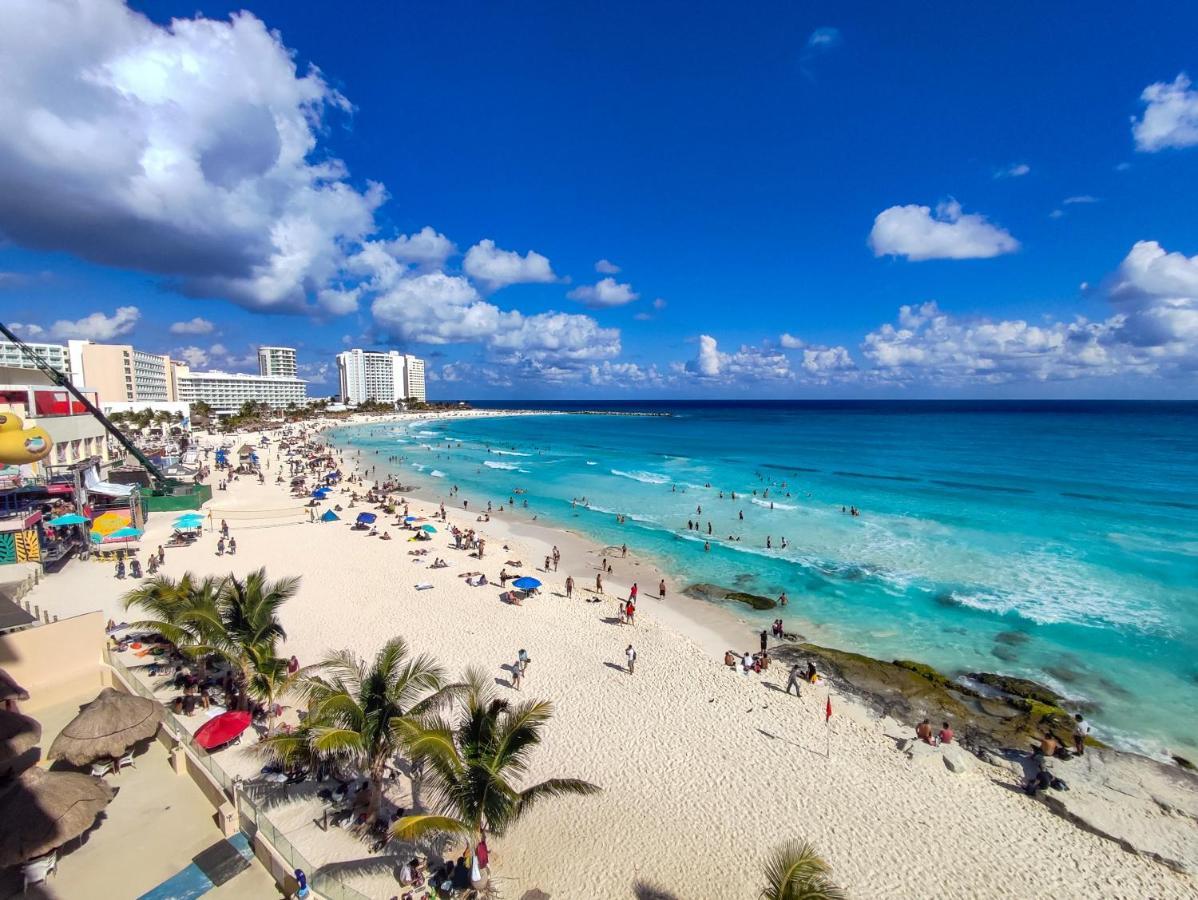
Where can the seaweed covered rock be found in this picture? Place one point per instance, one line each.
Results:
(713, 592)
(1019, 687)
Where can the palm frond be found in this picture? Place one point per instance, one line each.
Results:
(410, 828)
(794, 871)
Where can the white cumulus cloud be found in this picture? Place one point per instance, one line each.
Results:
(1170, 117)
(605, 293)
(198, 325)
(919, 234)
(188, 149)
(1017, 170)
(427, 248)
(607, 267)
(494, 268)
(97, 326)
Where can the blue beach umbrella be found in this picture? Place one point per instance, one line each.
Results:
(68, 519)
(320, 493)
(366, 518)
(411, 518)
(125, 534)
(526, 583)
(329, 516)
(429, 528)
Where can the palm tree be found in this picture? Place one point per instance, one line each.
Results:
(181, 611)
(249, 629)
(236, 619)
(269, 681)
(357, 710)
(474, 762)
(795, 871)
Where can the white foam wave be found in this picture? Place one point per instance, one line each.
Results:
(773, 504)
(591, 462)
(419, 467)
(490, 464)
(437, 473)
(426, 433)
(643, 477)
(510, 453)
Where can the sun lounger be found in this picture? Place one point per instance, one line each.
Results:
(425, 586)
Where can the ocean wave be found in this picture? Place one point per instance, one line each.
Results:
(419, 467)
(402, 441)
(427, 433)
(643, 477)
(510, 453)
(771, 504)
(437, 473)
(591, 462)
(491, 464)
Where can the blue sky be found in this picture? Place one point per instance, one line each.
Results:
(774, 184)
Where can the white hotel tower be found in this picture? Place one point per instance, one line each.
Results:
(383, 376)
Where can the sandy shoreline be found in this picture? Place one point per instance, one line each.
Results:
(703, 770)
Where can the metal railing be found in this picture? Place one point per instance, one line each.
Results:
(252, 816)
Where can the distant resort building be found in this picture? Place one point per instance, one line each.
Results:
(121, 372)
(225, 392)
(56, 355)
(278, 361)
(380, 376)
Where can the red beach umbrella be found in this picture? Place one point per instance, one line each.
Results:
(220, 730)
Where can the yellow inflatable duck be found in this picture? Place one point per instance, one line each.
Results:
(19, 446)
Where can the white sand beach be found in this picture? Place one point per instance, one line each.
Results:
(703, 770)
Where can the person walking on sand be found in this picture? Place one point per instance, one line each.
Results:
(220, 547)
(765, 640)
(598, 582)
(632, 593)
(661, 590)
(569, 587)
(630, 653)
(795, 679)
(557, 557)
(517, 675)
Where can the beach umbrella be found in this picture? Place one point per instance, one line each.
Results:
(411, 518)
(107, 727)
(320, 493)
(220, 730)
(526, 583)
(125, 534)
(199, 517)
(18, 735)
(429, 528)
(366, 518)
(329, 516)
(68, 519)
(43, 810)
(109, 522)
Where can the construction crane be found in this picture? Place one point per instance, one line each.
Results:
(161, 482)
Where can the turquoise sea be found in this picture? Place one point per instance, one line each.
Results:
(1057, 541)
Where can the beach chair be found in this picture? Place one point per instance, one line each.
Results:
(101, 768)
(37, 871)
(126, 762)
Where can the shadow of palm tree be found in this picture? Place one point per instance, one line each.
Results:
(644, 890)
